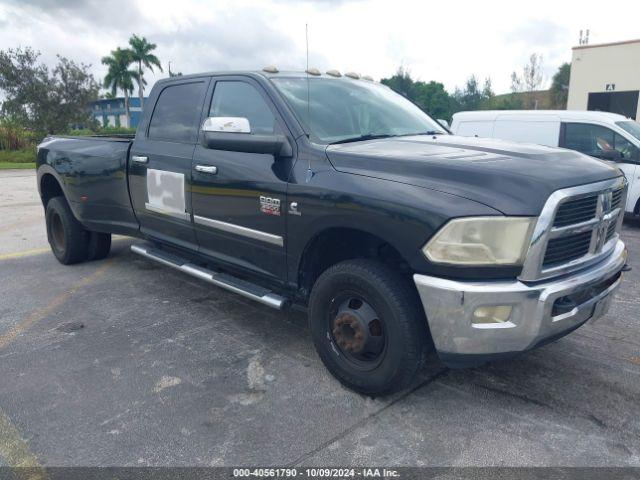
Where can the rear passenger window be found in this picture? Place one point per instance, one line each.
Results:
(177, 112)
(239, 99)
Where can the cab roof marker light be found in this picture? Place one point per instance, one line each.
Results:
(334, 73)
(367, 78)
(354, 75)
(313, 71)
(270, 69)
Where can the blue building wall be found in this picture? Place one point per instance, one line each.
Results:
(110, 112)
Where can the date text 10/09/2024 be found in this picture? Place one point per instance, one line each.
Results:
(316, 472)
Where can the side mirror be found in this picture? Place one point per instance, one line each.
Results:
(227, 124)
(611, 155)
(234, 134)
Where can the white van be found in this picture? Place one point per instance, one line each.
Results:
(603, 135)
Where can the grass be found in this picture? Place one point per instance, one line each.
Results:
(17, 158)
(27, 155)
(13, 165)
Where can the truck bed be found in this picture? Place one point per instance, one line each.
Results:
(93, 173)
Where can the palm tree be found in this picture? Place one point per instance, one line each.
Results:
(141, 53)
(119, 77)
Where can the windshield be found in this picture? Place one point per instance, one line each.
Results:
(341, 110)
(631, 127)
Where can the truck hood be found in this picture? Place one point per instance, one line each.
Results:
(514, 178)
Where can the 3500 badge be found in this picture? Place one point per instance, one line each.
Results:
(270, 206)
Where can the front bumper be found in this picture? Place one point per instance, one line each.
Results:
(536, 317)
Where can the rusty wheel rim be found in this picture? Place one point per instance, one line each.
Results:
(357, 331)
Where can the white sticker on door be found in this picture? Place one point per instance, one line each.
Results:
(165, 191)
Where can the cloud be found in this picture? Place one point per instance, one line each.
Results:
(544, 37)
(242, 39)
(538, 32)
(89, 12)
(369, 36)
(194, 39)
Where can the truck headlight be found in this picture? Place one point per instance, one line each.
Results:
(481, 241)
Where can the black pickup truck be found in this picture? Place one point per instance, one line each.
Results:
(337, 195)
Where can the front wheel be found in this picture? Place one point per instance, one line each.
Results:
(368, 327)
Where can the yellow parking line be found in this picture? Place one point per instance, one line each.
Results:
(16, 453)
(25, 253)
(13, 448)
(39, 314)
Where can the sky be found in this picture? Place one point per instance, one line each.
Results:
(441, 41)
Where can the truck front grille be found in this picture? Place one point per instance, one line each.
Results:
(578, 226)
(565, 249)
(616, 199)
(576, 211)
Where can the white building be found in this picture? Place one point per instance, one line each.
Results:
(606, 77)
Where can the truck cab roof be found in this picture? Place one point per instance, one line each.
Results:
(268, 75)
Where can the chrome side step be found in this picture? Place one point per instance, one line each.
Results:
(236, 285)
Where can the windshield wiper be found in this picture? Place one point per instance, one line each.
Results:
(368, 136)
(428, 132)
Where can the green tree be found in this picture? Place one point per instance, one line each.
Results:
(119, 77)
(141, 54)
(560, 86)
(433, 99)
(472, 96)
(430, 97)
(509, 101)
(401, 82)
(43, 100)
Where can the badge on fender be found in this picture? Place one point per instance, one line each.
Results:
(270, 206)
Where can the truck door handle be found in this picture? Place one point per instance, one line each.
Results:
(139, 159)
(206, 169)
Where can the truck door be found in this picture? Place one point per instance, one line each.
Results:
(239, 199)
(603, 143)
(160, 162)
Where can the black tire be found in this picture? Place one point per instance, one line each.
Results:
(99, 245)
(370, 289)
(68, 240)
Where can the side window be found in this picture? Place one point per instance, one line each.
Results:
(240, 99)
(177, 112)
(598, 141)
(628, 150)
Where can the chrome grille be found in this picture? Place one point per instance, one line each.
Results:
(616, 199)
(576, 211)
(564, 249)
(611, 231)
(577, 226)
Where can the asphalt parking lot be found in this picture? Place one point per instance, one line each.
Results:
(123, 362)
